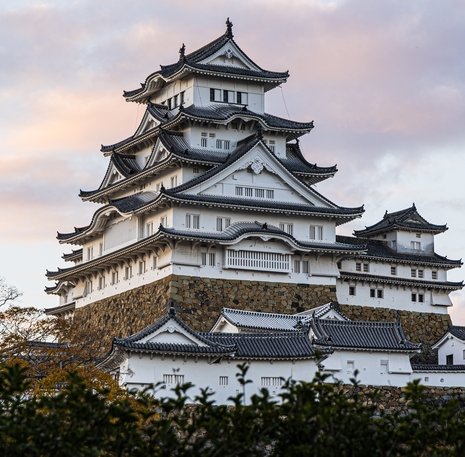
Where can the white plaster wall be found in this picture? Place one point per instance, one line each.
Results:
(186, 84)
(342, 364)
(440, 379)
(142, 371)
(202, 86)
(454, 346)
(404, 238)
(395, 297)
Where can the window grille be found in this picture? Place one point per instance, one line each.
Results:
(272, 381)
(173, 379)
(256, 260)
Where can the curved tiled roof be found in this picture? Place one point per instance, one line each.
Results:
(361, 335)
(380, 250)
(407, 219)
(226, 113)
(192, 62)
(437, 368)
(256, 320)
(295, 345)
(458, 331)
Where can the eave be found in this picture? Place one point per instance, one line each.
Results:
(348, 276)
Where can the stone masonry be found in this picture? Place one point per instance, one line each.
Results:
(199, 301)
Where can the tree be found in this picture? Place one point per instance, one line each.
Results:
(8, 294)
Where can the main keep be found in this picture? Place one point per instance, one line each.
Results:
(212, 203)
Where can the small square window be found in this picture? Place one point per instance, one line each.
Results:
(413, 272)
(394, 271)
(421, 273)
(421, 298)
(380, 293)
(366, 267)
(358, 266)
(414, 297)
(352, 290)
(372, 293)
(434, 275)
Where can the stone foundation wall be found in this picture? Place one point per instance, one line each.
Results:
(393, 399)
(198, 302)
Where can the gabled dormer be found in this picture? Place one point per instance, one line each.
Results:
(404, 231)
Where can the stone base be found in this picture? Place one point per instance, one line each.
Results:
(198, 303)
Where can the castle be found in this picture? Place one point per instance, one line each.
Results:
(212, 203)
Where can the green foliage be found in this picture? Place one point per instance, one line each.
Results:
(312, 419)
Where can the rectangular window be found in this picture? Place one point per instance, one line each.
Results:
(413, 273)
(260, 193)
(149, 228)
(421, 298)
(164, 221)
(203, 142)
(219, 144)
(414, 297)
(394, 271)
(226, 144)
(257, 260)
(366, 267)
(128, 272)
(434, 275)
(421, 273)
(242, 98)
(173, 379)
(248, 192)
(352, 290)
(286, 227)
(416, 245)
(142, 267)
(380, 293)
(195, 170)
(383, 364)
(193, 221)
(269, 193)
(114, 277)
(239, 190)
(228, 96)
(168, 102)
(272, 145)
(154, 262)
(358, 266)
(90, 253)
(174, 181)
(316, 232)
(372, 293)
(100, 249)
(418, 235)
(175, 101)
(450, 359)
(222, 223)
(212, 135)
(182, 97)
(211, 259)
(272, 381)
(223, 380)
(305, 267)
(296, 266)
(101, 282)
(215, 95)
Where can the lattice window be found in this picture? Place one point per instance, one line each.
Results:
(256, 260)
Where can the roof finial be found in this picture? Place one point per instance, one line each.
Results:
(229, 26)
(413, 206)
(182, 52)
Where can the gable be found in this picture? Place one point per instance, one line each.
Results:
(148, 122)
(159, 153)
(172, 332)
(112, 176)
(230, 55)
(263, 176)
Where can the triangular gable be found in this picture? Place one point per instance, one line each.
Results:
(259, 160)
(112, 176)
(230, 55)
(159, 153)
(172, 332)
(148, 122)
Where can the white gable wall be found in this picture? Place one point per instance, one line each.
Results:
(452, 346)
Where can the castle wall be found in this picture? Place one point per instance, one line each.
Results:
(198, 301)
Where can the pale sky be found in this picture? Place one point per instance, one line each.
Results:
(384, 82)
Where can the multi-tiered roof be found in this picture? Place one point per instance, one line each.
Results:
(162, 132)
